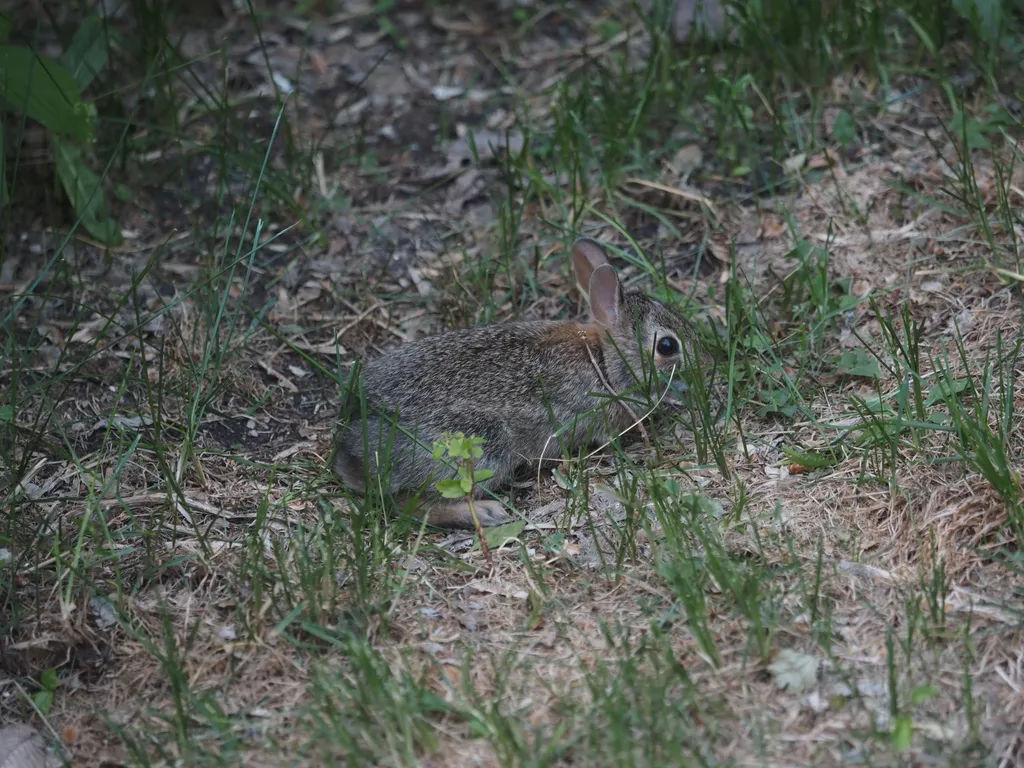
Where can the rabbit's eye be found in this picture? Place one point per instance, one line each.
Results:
(667, 346)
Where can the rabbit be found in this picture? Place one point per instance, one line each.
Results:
(513, 384)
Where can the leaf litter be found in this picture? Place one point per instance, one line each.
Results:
(384, 276)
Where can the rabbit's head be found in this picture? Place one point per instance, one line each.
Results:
(643, 337)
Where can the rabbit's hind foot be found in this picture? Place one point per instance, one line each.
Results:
(456, 514)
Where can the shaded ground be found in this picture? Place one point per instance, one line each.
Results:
(842, 587)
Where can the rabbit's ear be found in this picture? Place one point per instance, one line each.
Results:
(587, 255)
(605, 295)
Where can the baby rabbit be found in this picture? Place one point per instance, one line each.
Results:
(514, 385)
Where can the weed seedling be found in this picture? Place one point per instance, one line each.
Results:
(463, 452)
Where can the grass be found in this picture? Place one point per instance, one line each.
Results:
(828, 575)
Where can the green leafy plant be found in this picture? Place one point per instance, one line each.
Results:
(845, 129)
(975, 130)
(43, 699)
(903, 723)
(985, 17)
(382, 9)
(982, 417)
(463, 451)
(857, 362)
(807, 290)
(734, 118)
(50, 92)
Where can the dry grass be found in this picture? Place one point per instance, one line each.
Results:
(177, 551)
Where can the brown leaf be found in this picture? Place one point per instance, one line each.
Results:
(824, 159)
(21, 746)
(686, 161)
(772, 227)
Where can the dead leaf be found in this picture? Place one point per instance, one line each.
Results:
(686, 161)
(21, 746)
(721, 248)
(864, 571)
(825, 159)
(467, 186)
(861, 289)
(962, 323)
(318, 62)
(103, 612)
(331, 348)
(685, 194)
(772, 227)
(460, 153)
(446, 92)
(794, 163)
(310, 291)
(51, 333)
(794, 671)
(283, 380)
(123, 422)
(89, 331)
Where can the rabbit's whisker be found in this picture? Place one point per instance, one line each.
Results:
(638, 422)
(629, 411)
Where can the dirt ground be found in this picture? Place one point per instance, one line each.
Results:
(179, 592)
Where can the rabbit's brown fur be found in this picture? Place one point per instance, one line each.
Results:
(514, 385)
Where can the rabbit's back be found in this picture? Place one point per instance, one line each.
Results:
(498, 366)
